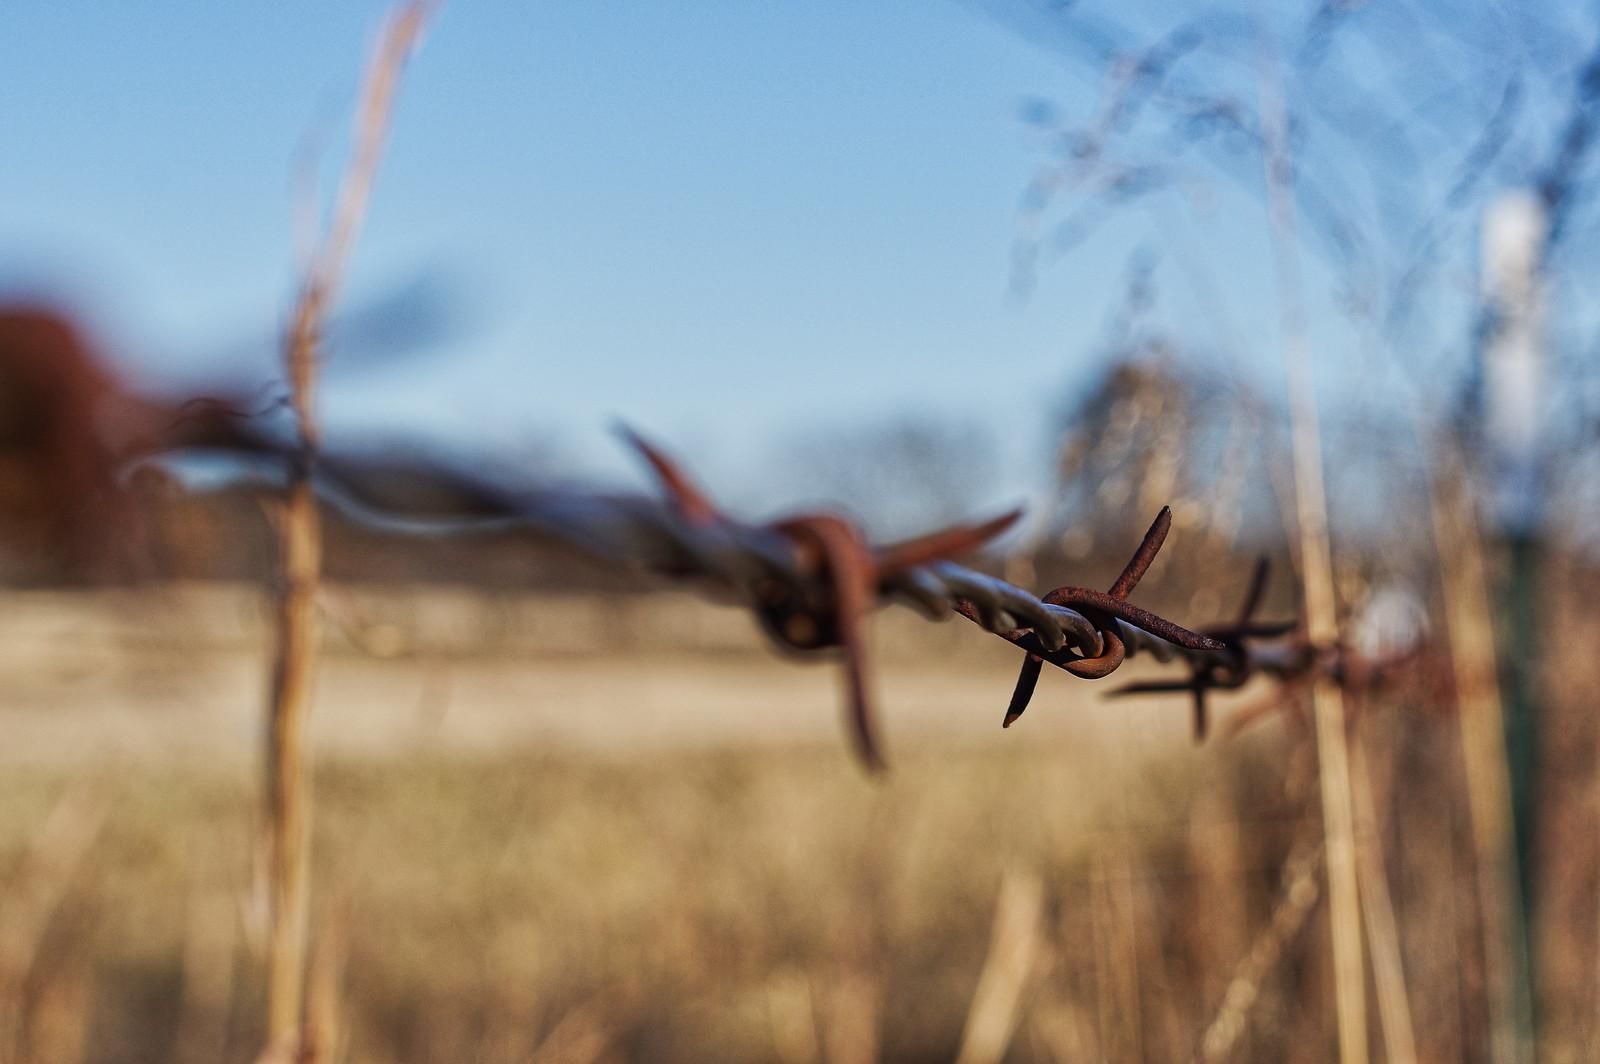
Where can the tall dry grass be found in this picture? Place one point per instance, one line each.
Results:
(699, 906)
(1320, 607)
(288, 779)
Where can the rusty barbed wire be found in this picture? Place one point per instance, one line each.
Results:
(1274, 649)
(810, 579)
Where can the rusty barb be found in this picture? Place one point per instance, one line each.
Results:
(841, 578)
(1104, 610)
(1277, 649)
(810, 579)
(1239, 664)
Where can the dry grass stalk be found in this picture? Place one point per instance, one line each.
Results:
(1122, 1020)
(1008, 970)
(1388, 972)
(34, 895)
(1300, 894)
(792, 1017)
(1062, 1029)
(1469, 626)
(208, 971)
(281, 1051)
(58, 1024)
(300, 545)
(851, 1018)
(580, 1037)
(288, 776)
(1216, 854)
(322, 1033)
(1333, 756)
(1316, 574)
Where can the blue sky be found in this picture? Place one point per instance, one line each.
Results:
(718, 221)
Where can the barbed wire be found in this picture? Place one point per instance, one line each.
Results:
(809, 579)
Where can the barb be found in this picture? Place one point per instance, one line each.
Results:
(843, 575)
(1103, 609)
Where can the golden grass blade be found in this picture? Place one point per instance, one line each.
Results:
(851, 1018)
(1388, 972)
(59, 1021)
(1316, 573)
(208, 974)
(581, 1037)
(792, 1017)
(1299, 897)
(34, 894)
(322, 1032)
(1121, 1006)
(288, 775)
(288, 784)
(1468, 624)
(1007, 972)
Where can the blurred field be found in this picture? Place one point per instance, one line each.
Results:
(532, 848)
(536, 852)
(176, 674)
(725, 905)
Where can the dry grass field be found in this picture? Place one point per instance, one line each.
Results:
(529, 850)
(176, 675)
(533, 851)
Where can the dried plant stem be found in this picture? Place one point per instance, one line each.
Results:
(1469, 621)
(288, 783)
(208, 974)
(33, 895)
(1008, 970)
(792, 1017)
(59, 1021)
(322, 1033)
(1377, 906)
(1116, 943)
(1299, 897)
(288, 778)
(1344, 903)
(850, 1034)
(580, 1037)
(1316, 573)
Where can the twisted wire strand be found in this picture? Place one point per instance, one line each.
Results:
(797, 575)
(648, 533)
